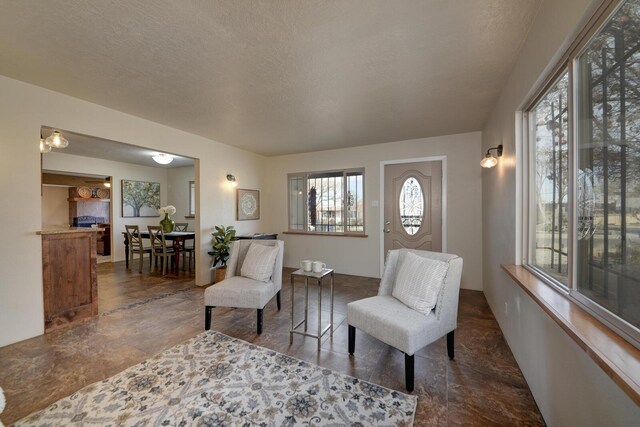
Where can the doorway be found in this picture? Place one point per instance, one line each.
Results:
(413, 211)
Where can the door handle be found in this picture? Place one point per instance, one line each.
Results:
(387, 222)
(386, 230)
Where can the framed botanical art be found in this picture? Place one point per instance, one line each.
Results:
(248, 204)
(140, 199)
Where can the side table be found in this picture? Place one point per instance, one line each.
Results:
(318, 276)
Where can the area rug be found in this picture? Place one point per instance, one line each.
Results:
(216, 380)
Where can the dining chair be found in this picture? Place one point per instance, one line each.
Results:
(188, 247)
(136, 245)
(159, 247)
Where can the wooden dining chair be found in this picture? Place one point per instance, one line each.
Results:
(159, 247)
(188, 247)
(136, 246)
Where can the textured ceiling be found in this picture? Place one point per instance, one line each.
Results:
(278, 76)
(99, 148)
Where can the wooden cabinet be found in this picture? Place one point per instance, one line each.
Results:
(69, 276)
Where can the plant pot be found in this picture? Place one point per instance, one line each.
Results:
(220, 273)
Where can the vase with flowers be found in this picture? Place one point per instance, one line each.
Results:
(167, 223)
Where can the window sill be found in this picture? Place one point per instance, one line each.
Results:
(618, 359)
(309, 233)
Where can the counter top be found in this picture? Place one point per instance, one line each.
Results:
(69, 230)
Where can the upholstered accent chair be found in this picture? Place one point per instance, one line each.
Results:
(242, 292)
(136, 246)
(389, 320)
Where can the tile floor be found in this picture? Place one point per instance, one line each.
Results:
(142, 314)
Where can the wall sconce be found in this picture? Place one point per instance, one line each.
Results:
(44, 148)
(56, 140)
(232, 180)
(489, 161)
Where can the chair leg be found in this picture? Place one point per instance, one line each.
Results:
(151, 259)
(140, 263)
(352, 339)
(408, 371)
(208, 309)
(450, 350)
(278, 301)
(260, 318)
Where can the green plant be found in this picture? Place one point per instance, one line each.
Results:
(222, 238)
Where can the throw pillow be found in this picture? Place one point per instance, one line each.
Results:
(258, 264)
(418, 282)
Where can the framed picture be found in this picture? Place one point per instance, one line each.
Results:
(140, 199)
(248, 204)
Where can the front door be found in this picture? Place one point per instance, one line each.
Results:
(413, 206)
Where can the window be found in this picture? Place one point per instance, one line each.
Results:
(583, 204)
(327, 202)
(548, 122)
(192, 198)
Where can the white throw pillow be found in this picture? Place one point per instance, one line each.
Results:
(258, 264)
(418, 282)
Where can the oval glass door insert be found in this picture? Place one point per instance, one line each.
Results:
(411, 204)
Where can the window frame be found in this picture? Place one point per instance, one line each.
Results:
(192, 199)
(567, 62)
(305, 225)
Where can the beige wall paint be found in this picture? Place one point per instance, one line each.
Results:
(58, 161)
(178, 192)
(23, 109)
(55, 207)
(361, 256)
(569, 388)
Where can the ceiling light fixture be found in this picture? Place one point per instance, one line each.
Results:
(232, 180)
(56, 140)
(489, 161)
(44, 148)
(162, 158)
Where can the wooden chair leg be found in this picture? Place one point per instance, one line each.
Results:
(140, 263)
(278, 301)
(208, 309)
(152, 266)
(450, 350)
(352, 339)
(408, 371)
(260, 318)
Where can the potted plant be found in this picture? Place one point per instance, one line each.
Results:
(222, 238)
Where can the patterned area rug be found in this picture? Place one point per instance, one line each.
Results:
(215, 380)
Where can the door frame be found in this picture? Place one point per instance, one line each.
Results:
(383, 163)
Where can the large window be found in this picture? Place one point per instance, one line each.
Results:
(327, 202)
(584, 188)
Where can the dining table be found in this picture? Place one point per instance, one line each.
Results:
(177, 237)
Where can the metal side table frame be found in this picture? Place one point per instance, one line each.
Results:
(318, 276)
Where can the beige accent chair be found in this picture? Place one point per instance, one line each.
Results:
(392, 322)
(136, 246)
(159, 248)
(242, 292)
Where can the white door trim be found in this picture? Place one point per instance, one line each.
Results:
(383, 163)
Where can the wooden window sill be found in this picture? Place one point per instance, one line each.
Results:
(308, 233)
(618, 358)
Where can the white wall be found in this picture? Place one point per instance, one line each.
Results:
(60, 162)
(24, 108)
(361, 256)
(178, 192)
(569, 388)
(55, 206)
